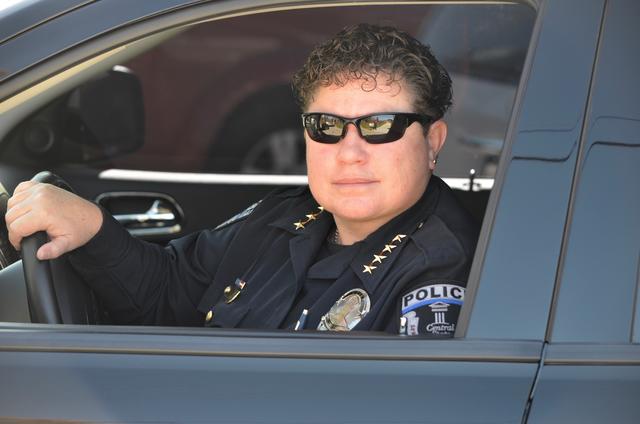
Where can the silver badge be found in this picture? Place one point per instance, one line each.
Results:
(347, 312)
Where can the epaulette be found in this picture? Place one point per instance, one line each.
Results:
(239, 217)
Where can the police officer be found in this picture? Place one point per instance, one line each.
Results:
(375, 242)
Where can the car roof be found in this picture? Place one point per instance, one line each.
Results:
(34, 30)
(18, 16)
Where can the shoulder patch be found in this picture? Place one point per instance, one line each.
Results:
(431, 309)
(242, 215)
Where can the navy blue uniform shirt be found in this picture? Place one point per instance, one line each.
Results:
(275, 260)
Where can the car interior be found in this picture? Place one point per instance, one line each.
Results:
(113, 111)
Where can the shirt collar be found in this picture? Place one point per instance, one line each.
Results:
(380, 249)
(374, 255)
(332, 266)
(309, 225)
(303, 218)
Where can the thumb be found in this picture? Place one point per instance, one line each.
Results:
(53, 249)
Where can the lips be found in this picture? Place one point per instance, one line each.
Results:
(354, 181)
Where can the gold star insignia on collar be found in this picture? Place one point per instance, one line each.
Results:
(388, 247)
(368, 269)
(310, 217)
(378, 258)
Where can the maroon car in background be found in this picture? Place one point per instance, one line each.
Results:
(218, 98)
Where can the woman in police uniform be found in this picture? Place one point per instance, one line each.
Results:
(374, 243)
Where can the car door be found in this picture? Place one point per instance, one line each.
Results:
(591, 370)
(485, 374)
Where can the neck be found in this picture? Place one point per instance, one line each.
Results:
(350, 233)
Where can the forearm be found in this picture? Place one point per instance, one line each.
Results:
(143, 283)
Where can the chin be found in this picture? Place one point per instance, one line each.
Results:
(354, 211)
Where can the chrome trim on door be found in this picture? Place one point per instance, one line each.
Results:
(197, 178)
(479, 184)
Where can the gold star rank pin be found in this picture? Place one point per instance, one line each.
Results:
(369, 268)
(309, 217)
(377, 259)
(388, 247)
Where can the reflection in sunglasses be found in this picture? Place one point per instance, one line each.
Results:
(378, 128)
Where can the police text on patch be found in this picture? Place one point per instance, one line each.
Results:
(447, 293)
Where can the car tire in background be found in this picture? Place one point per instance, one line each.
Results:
(262, 135)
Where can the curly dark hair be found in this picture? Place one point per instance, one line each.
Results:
(363, 52)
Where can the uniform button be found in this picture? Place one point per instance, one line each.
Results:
(231, 294)
(209, 316)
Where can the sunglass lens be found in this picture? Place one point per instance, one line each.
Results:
(383, 128)
(331, 126)
(323, 128)
(375, 128)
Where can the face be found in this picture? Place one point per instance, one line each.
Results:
(366, 185)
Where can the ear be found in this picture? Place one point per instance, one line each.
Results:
(436, 138)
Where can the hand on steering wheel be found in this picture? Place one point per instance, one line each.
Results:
(55, 293)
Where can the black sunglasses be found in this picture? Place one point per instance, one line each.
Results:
(376, 129)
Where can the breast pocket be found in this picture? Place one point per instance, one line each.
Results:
(219, 313)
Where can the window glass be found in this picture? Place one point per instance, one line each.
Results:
(483, 47)
(217, 97)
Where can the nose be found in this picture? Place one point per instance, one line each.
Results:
(352, 147)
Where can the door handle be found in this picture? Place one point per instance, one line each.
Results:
(157, 214)
(160, 214)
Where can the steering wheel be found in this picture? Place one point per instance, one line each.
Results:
(55, 292)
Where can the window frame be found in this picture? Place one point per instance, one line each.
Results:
(99, 47)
